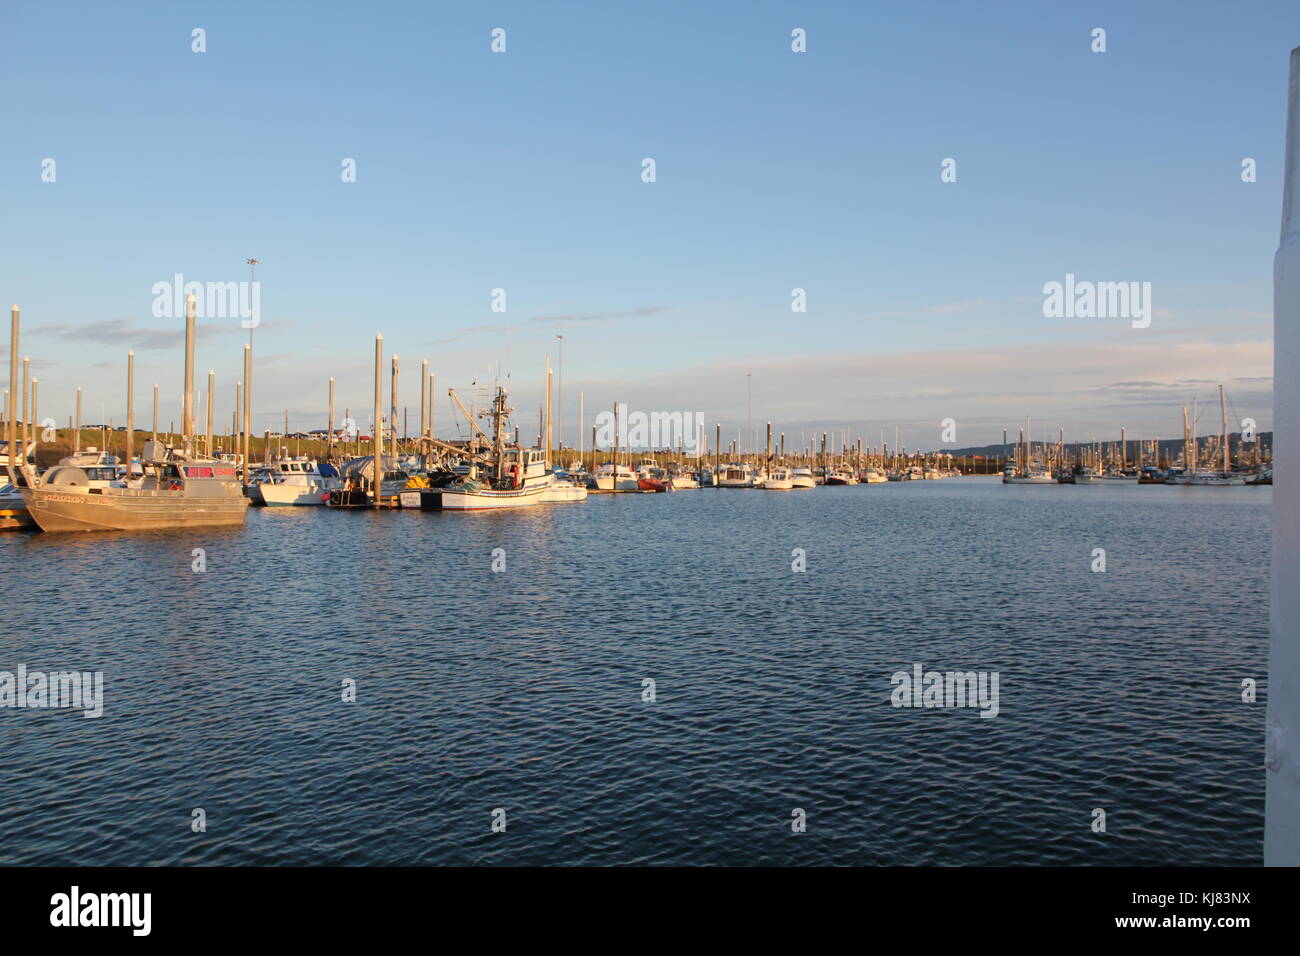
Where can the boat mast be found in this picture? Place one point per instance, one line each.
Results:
(1195, 450)
(10, 422)
(1223, 416)
(187, 406)
(377, 436)
(498, 429)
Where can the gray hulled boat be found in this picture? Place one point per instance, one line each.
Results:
(179, 489)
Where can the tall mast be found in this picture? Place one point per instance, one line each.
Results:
(549, 412)
(1223, 416)
(130, 411)
(187, 404)
(377, 436)
(212, 385)
(392, 411)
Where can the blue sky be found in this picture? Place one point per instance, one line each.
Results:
(775, 170)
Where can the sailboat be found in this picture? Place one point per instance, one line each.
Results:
(1224, 475)
(1027, 472)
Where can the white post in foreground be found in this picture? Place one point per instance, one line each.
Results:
(1282, 741)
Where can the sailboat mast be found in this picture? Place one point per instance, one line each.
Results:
(377, 433)
(1223, 416)
(187, 408)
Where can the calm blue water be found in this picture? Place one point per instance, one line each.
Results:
(522, 690)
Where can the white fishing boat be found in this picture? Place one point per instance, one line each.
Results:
(779, 479)
(736, 474)
(564, 489)
(802, 478)
(512, 478)
(296, 482)
(874, 476)
(612, 477)
(683, 480)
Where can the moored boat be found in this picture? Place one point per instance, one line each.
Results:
(779, 479)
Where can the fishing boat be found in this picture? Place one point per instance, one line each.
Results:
(736, 474)
(510, 478)
(296, 482)
(356, 482)
(653, 480)
(179, 489)
(802, 478)
(874, 476)
(779, 479)
(611, 477)
(682, 480)
(840, 478)
(564, 489)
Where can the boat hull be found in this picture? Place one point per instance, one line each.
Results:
(608, 483)
(778, 484)
(564, 492)
(131, 510)
(281, 496)
(486, 499)
(14, 515)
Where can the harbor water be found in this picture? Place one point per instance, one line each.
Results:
(521, 694)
